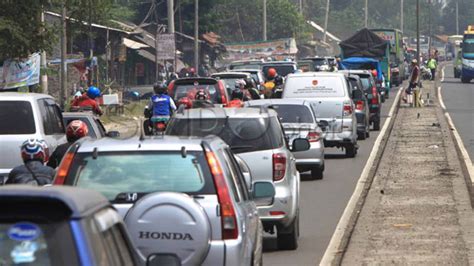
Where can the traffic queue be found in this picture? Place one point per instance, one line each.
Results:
(216, 165)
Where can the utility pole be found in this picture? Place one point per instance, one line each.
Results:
(196, 35)
(326, 20)
(301, 7)
(44, 77)
(366, 13)
(157, 69)
(170, 16)
(457, 17)
(401, 15)
(429, 28)
(63, 90)
(264, 20)
(418, 32)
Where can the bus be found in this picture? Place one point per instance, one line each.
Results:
(453, 52)
(397, 54)
(467, 54)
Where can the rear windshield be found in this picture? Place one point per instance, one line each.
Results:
(29, 243)
(282, 70)
(229, 83)
(17, 118)
(302, 87)
(246, 66)
(292, 113)
(320, 62)
(115, 174)
(189, 90)
(366, 83)
(241, 134)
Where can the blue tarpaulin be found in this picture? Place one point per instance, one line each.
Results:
(362, 63)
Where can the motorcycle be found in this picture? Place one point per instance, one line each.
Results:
(154, 126)
(425, 73)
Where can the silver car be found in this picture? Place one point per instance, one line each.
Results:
(299, 121)
(257, 137)
(95, 126)
(183, 196)
(27, 116)
(330, 96)
(229, 79)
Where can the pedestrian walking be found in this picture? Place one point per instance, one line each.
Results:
(432, 65)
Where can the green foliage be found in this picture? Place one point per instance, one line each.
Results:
(21, 30)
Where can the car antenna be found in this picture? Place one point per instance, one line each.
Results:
(95, 153)
(183, 152)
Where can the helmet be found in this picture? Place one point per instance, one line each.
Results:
(240, 83)
(237, 94)
(192, 70)
(271, 73)
(414, 61)
(160, 88)
(201, 95)
(374, 72)
(34, 149)
(93, 92)
(75, 130)
(235, 103)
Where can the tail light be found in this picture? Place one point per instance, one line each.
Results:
(222, 91)
(313, 136)
(161, 126)
(279, 166)
(360, 105)
(347, 109)
(375, 98)
(63, 169)
(229, 220)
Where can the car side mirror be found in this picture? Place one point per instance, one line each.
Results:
(323, 124)
(300, 144)
(113, 134)
(263, 191)
(163, 259)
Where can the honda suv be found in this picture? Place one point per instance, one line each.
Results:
(188, 197)
(256, 135)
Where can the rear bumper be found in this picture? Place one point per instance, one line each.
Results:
(332, 139)
(283, 202)
(312, 157)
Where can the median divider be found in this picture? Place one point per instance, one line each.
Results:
(340, 239)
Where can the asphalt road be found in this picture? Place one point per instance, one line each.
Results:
(459, 101)
(323, 202)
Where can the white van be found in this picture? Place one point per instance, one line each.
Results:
(27, 116)
(330, 97)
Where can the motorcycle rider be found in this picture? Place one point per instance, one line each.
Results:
(88, 100)
(34, 153)
(161, 105)
(201, 100)
(250, 86)
(413, 81)
(75, 130)
(271, 83)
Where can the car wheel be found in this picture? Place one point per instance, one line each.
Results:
(382, 98)
(317, 173)
(361, 135)
(377, 125)
(464, 80)
(367, 133)
(287, 239)
(351, 151)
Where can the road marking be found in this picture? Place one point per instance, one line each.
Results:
(333, 248)
(442, 74)
(465, 155)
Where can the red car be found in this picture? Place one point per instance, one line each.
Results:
(184, 90)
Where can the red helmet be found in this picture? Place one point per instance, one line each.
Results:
(34, 149)
(374, 73)
(75, 130)
(271, 72)
(192, 70)
(235, 103)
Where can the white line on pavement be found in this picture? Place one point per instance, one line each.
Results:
(333, 248)
(465, 155)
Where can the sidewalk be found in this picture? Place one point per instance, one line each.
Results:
(417, 210)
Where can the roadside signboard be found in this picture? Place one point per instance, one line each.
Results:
(16, 74)
(166, 47)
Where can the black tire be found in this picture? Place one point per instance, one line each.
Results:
(351, 151)
(377, 125)
(361, 135)
(464, 80)
(288, 240)
(317, 173)
(382, 98)
(367, 134)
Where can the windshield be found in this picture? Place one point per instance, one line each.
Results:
(190, 90)
(319, 62)
(468, 48)
(292, 113)
(115, 173)
(13, 111)
(246, 66)
(241, 134)
(282, 70)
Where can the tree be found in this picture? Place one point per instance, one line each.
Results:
(21, 30)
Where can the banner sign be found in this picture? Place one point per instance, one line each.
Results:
(166, 47)
(257, 50)
(16, 74)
